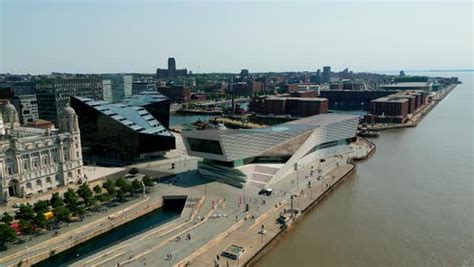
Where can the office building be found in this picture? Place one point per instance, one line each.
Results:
(36, 160)
(316, 78)
(121, 86)
(157, 104)
(272, 153)
(53, 94)
(118, 134)
(138, 87)
(27, 107)
(326, 77)
(107, 90)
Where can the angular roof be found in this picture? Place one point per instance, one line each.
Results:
(135, 117)
(144, 98)
(244, 143)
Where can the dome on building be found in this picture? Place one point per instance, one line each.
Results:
(68, 110)
(8, 107)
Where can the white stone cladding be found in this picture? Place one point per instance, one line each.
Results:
(34, 160)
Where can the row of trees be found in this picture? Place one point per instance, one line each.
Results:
(32, 218)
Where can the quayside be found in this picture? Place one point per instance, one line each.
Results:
(171, 210)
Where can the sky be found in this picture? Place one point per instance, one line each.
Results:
(40, 37)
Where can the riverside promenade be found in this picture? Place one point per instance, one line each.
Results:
(214, 214)
(221, 218)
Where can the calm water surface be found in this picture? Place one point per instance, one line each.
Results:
(411, 204)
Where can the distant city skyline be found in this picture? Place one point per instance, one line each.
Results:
(40, 37)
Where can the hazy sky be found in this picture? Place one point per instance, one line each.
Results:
(138, 36)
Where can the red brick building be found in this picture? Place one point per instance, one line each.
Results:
(177, 94)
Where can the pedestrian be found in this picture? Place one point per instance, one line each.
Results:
(218, 258)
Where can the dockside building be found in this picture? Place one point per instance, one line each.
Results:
(120, 134)
(263, 156)
(35, 160)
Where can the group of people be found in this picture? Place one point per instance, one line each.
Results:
(188, 237)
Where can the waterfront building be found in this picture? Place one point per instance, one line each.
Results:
(119, 134)
(425, 86)
(171, 72)
(326, 77)
(177, 94)
(397, 106)
(157, 104)
(352, 99)
(240, 89)
(293, 106)
(53, 94)
(269, 154)
(27, 107)
(35, 160)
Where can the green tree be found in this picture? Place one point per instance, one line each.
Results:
(137, 185)
(110, 187)
(62, 214)
(97, 189)
(120, 182)
(72, 200)
(120, 195)
(86, 194)
(79, 211)
(40, 221)
(147, 181)
(133, 171)
(41, 206)
(124, 186)
(56, 200)
(26, 227)
(7, 218)
(25, 212)
(7, 234)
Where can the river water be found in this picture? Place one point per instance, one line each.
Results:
(411, 204)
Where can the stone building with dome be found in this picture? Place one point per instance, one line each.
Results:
(36, 160)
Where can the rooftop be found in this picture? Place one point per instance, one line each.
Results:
(144, 98)
(406, 85)
(135, 117)
(292, 127)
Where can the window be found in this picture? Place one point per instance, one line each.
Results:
(39, 183)
(28, 185)
(206, 146)
(48, 180)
